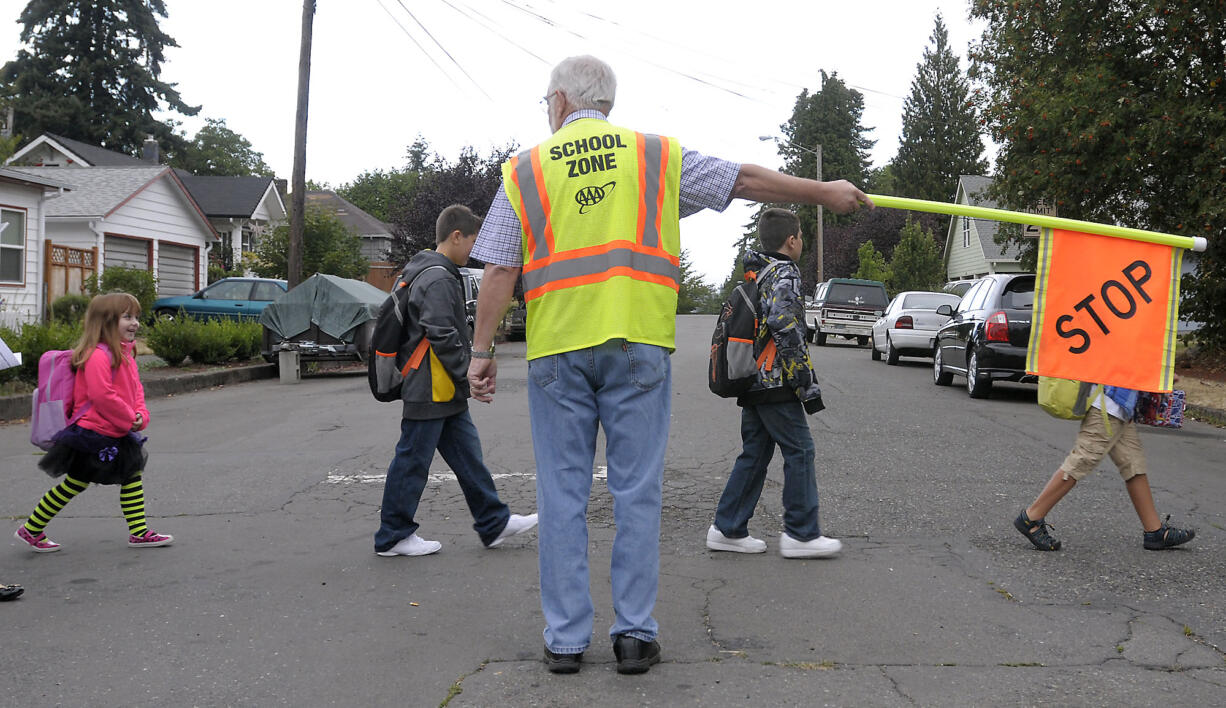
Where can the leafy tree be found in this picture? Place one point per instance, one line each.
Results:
(471, 180)
(328, 247)
(90, 71)
(881, 226)
(916, 263)
(376, 191)
(1114, 112)
(940, 135)
(830, 118)
(695, 294)
(217, 150)
(872, 264)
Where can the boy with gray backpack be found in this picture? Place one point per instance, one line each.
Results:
(774, 407)
(422, 349)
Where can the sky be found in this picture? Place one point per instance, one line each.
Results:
(717, 74)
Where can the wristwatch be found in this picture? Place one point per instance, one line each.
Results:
(484, 354)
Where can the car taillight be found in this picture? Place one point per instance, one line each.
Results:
(904, 322)
(996, 328)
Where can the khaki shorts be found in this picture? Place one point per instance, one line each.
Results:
(1093, 443)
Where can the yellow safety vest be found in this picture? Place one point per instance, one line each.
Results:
(599, 206)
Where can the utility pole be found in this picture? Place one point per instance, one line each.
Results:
(297, 221)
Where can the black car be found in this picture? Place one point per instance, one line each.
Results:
(987, 334)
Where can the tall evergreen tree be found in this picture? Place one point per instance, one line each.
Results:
(831, 118)
(940, 133)
(90, 71)
(1114, 112)
(916, 263)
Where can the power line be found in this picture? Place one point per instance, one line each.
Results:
(444, 49)
(417, 44)
(494, 30)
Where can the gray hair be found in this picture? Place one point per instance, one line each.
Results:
(587, 82)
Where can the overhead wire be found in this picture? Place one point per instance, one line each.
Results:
(494, 30)
(444, 49)
(418, 44)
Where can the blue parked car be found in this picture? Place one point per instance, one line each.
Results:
(231, 298)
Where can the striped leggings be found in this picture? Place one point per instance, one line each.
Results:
(131, 500)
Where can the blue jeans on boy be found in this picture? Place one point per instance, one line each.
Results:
(623, 387)
(455, 438)
(762, 427)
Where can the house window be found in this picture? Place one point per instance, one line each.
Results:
(12, 246)
(248, 240)
(966, 232)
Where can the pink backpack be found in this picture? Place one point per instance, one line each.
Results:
(52, 403)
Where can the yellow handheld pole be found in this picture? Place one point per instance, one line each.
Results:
(1195, 243)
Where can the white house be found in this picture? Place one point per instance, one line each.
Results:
(136, 217)
(970, 247)
(23, 202)
(241, 209)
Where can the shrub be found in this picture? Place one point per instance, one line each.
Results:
(173, 340)
(69, 309)
(34, 339)
(247, 337)
(139, 283)
(213, 344)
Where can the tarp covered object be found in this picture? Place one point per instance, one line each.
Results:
(336, 305)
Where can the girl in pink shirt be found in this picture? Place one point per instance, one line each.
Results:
(103, 445)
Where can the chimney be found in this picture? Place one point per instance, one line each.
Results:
(149, 151)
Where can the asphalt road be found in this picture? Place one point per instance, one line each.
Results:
(272, 594)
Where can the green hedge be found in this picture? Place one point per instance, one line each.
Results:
(32, 340)
(211, 342)
(139, 283)
(69, 309)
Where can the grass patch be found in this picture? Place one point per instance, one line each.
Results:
(806, 665)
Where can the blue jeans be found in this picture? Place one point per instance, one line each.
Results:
(762, 427)
(623, 387)
(456, 440)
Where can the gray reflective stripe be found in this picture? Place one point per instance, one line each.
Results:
(533, 209)
(591, 265)
(651, 192)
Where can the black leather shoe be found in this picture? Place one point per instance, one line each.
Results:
(10, 592)
(562, 663)
(635, 656)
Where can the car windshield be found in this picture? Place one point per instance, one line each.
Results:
(854, 294)
(1018, 294)
(928, 301)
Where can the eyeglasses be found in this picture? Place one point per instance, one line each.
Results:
(545, 101)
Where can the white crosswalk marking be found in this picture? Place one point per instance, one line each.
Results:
(601, 472)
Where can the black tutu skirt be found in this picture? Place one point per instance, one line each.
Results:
(95, 458)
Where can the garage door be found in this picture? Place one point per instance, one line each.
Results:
(122, 252)
(176, 269)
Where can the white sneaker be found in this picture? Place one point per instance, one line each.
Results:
(820, 547)
(515, 526)
(717, 541)
(412, 546)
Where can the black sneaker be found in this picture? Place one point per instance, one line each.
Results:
(1167, 536)
(562, 663)
(635, 656)
(1036, 531)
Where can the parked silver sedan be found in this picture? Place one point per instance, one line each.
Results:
(909, 325)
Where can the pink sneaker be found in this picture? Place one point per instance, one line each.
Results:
(149, 539)
(39, 543)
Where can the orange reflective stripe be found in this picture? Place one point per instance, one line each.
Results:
(539, 174)
(418, 355)
(599, 278)
(653, 163)
(642, 264)
(597, 250)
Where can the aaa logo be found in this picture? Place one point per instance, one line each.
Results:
(591, 196)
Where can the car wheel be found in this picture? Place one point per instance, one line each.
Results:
(819, 337)
(891, 354)
(872, 347)
(940, 376)
(976, 386)
(163, 315)
(861, 341)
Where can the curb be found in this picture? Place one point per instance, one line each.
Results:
(17, 407)
(1205, 414)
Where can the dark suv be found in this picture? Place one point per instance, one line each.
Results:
(987, 334)
(846, 307)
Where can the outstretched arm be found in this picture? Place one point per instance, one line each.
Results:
(760, 184)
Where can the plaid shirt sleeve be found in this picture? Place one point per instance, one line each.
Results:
(706, 183)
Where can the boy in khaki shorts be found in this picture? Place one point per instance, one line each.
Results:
(1096, 440)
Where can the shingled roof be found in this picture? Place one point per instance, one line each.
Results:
(225, 197)
(351, 216)
(93, 155)
(976, 189)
